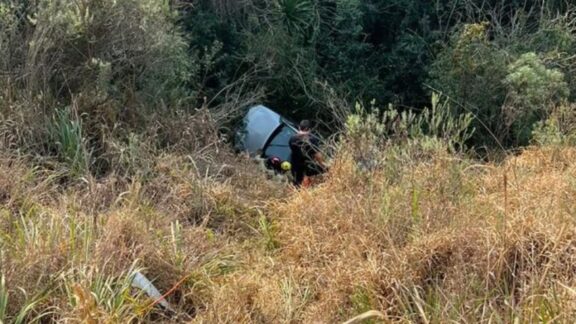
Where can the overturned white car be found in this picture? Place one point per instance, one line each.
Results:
(263, 133)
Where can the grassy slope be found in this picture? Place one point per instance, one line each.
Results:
(424, 240)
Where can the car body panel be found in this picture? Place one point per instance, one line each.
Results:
(264, 131)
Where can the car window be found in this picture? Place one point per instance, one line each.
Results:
(279, 146)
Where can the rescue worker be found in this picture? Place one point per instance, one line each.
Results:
(306, 157)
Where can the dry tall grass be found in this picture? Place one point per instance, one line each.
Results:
(438, 240)
(428, 239)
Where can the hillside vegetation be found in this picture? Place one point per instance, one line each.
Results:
(450, 196)
(433, 238)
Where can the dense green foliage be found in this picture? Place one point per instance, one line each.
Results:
(304, 51)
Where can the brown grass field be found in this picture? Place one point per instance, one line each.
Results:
(435, 239)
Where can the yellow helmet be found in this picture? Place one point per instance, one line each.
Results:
(286, 166)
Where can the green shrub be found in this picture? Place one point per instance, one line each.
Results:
(558, 129)
(297, 16)
(507, 72)
(470, 71)
(118, 63)
(531, 88)
(408, 134)
(67, 139)
(128, 51)
(439, 121)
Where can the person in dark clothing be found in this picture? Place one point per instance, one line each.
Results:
(306, 157)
